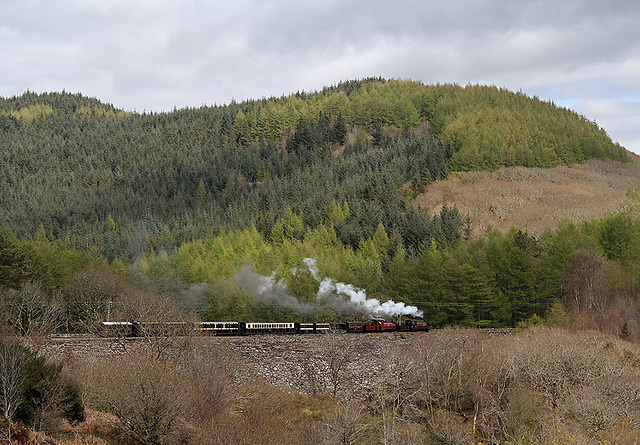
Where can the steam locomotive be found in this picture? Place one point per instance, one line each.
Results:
(174, 329)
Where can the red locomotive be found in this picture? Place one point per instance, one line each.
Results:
(379, 325)
(414, 326)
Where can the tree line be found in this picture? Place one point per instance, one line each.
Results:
(588, 270)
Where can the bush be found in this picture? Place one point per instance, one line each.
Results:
(157, 393)
(36, 391)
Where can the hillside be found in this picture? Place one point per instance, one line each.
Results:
(543, 386)
(203, 207)
(368, 199)
(534, 199)
(126, 183)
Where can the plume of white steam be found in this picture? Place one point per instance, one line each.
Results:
(358, 301)
(344, 298)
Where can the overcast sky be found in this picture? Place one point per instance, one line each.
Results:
(155, 55)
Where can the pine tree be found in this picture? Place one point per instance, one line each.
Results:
(14, 265)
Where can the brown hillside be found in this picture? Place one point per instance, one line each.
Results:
(534, 198)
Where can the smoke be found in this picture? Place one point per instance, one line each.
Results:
(268, 290)
(192, 294)
(341, 297)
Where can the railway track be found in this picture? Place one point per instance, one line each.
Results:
(97, 337)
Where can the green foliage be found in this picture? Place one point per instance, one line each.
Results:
(557, 316)
(615, 235)
(46, 384)
(512, 260)
(492, 128)
(289, 227)
(31, 113)
(49, 263)
(381, 240)
(46, 388)
(337, 213)
(127, 183)
(499, 279)
(14, 267)
(193, 195)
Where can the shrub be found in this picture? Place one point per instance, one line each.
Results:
(36, 391)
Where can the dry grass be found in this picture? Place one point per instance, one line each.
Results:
(533, 198)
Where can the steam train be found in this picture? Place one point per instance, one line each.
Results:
(174, 329)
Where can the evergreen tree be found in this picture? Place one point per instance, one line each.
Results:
(14, 265)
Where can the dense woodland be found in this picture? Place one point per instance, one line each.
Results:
(499, 280)
(127, 183)
(107, 214)
(179, 202)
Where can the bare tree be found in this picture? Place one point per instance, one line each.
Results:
(337, 356)
(144, 392)
(463, 373)
(206, 372)
(32, 311)
(583, 274)
(13, 373)
(90, 297)
(156, 397)
(346, 425)
(395, 391)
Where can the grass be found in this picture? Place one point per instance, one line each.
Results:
(534, 199)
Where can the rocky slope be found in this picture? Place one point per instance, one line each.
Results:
(307, 364)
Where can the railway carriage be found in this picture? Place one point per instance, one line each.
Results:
(219, 327)
(312, 328)
(322, 328)
(162, 328)
(350, 326)
(414, 326)
(305, 328)
(115, 329)
(267, 328)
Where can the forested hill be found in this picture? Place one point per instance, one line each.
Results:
(349, 157)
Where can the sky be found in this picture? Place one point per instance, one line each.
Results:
(157, 55)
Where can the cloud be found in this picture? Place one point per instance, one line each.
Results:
(156, 55)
